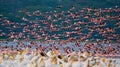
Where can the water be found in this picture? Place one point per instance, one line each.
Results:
(10, 9)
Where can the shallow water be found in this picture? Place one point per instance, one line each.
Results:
(10, 10)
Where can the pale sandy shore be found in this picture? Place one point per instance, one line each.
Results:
(37, 54)
(55, 59)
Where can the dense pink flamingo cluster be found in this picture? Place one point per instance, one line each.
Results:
(86, 24)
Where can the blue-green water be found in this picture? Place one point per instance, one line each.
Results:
(10, 9)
